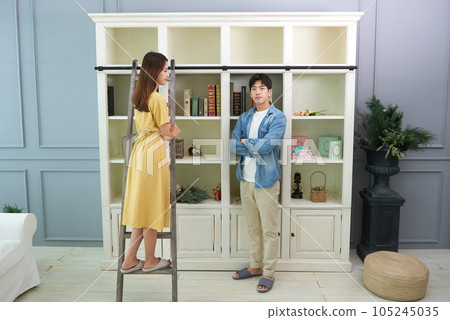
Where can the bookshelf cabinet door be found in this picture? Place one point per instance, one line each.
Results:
(239, 234)
(315, 234)
(199, 233)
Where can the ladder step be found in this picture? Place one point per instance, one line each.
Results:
(160, 271)
(164, 235)
(161, 235)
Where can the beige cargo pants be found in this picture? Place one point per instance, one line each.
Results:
(260, 208)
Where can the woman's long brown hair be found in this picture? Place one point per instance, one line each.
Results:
(152, 65)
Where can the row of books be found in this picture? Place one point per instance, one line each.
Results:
(238, 99)
(203, 107)
(210, 106)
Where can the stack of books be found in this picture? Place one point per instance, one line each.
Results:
(203, 107)
(238, 99)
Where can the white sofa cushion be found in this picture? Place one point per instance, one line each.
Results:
(11, 252)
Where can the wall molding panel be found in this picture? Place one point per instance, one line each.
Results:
(39, 93)
(67, 203)
(21, 139)
(403, 73)
(11, 192)
(432, 195)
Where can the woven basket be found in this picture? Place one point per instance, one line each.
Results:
(318, 196)
(395, 276)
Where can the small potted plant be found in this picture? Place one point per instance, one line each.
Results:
(11, 209)
(190, 194)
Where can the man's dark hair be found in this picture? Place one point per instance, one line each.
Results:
(264, 80)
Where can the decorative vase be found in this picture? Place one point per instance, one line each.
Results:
(382, 169)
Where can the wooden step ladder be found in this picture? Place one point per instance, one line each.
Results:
(127, 146)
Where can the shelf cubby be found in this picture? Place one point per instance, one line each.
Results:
(316, 128)
(333, 172)
(319, 92)
(191, 130)
(120, 85)
(194, 45)
(242, 79)
(125, 44)
(319, 45)
(198, 82)
(208, 176)
(256, 45)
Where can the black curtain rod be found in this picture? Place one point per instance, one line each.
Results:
(225, 68)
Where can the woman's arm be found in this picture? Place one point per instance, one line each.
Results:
(169, 132)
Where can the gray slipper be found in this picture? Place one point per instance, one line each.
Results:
(163, 263)
(268, 283)
(133, 269)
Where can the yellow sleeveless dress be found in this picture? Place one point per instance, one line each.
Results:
(147, 194)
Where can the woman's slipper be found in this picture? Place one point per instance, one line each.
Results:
(133, 269)
(268, 283)
(245, 274)
(163, 263)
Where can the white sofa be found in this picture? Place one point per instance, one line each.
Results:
(18, 269)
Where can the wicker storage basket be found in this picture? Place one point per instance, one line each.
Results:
(318, 195)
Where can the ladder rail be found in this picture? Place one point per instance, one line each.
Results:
(173, 200)
(127, 152)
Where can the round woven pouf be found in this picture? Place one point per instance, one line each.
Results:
(395, 276)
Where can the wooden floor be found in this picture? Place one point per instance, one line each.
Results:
(73, 274)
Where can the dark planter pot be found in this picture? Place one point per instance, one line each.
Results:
(382, 169)
(381, 205)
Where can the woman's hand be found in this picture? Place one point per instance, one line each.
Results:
(175, 130)
(169, 132)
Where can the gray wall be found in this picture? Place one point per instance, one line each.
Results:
(48, 109)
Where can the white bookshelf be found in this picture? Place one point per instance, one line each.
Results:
(310, 58)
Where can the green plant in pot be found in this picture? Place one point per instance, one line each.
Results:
(385, 142)
(11, 209)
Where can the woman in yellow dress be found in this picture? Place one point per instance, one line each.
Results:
(147, 204)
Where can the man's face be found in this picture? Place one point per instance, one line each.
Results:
(259, 93)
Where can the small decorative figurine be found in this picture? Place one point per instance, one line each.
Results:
(217, 192)
(297, 194)
(194, 151)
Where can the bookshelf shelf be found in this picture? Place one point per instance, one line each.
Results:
(311, 59)
(197, 118)
(312, 118)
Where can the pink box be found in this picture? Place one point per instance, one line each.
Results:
(303, 155)
(298, 141)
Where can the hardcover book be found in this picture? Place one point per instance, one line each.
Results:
(236, 103)
(110, 101)
(231, 97)
(243, 99)
(211, 101)
(200, 107)
(218, 111)
(205, 107)
(187, 101)
(194, 109)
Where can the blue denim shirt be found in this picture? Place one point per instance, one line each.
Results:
(270, 136)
